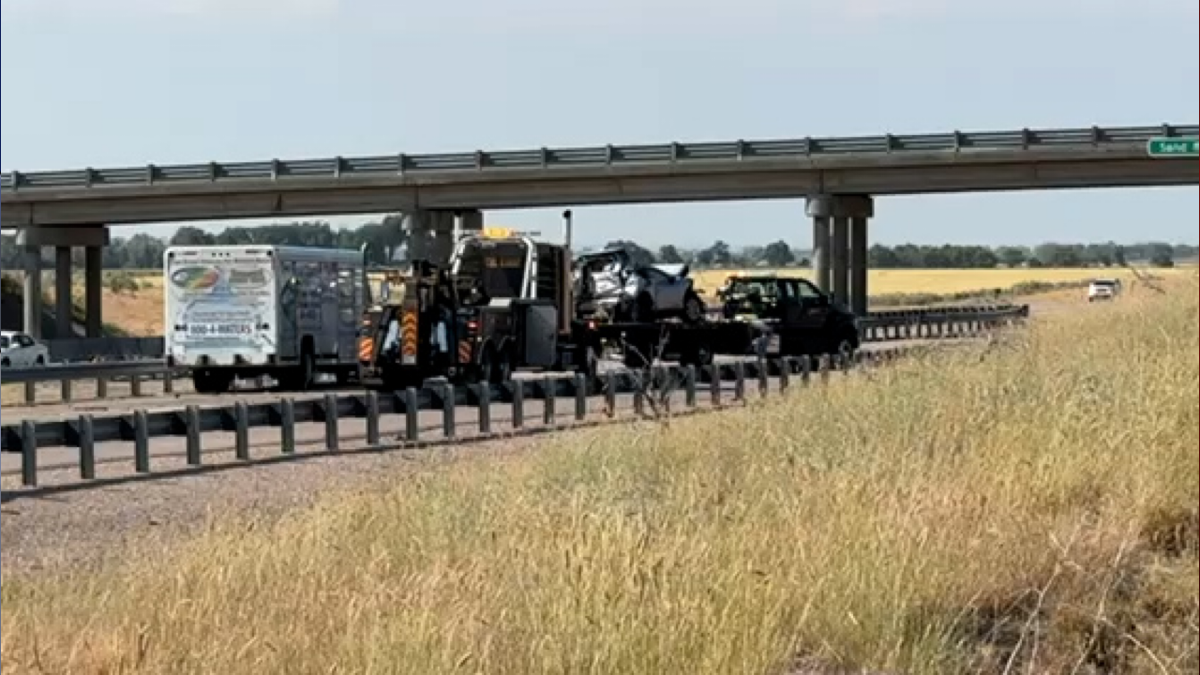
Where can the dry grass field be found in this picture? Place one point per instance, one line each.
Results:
(947, 282)
(1028, 507)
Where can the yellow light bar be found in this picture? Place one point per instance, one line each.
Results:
(505, 233)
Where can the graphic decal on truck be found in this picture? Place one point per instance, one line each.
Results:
(225, 304)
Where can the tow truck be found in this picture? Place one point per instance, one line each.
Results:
(506, 302)
(498, 306)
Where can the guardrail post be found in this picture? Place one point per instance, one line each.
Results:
(639, 397)
(518, 404)
(412, 415)
(785, 373)
(550, 396)
(101, 387)
(141, 442)
(449, 426)
(714, 384)
(241, 431)
(372, 416)
(135, 386)
(87, 447)
(823, 367)
(330, 411)
(485, 408)
(30, 393)
(287, 426)
(610, 393)
(806, 366)
(29, 453)
(581, 401)
(168, 382)
(192, 424)
(739, 380)
(689, 386)
(764, 378)
(64, 390)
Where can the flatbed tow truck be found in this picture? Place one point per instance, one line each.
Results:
(507, 302)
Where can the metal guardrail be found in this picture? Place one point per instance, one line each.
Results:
(67, 372)
(141, 427)
(79, 349)
(549, 159)
(883, 326)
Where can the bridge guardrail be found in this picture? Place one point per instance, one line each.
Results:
(549, 159)
(81, 349)
(140, 427)
(888, 325)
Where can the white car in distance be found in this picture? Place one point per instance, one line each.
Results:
(1103, 289)
(18, 350)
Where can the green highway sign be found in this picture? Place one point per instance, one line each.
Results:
(1173, 147)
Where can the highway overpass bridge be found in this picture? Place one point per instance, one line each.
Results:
(838, 175)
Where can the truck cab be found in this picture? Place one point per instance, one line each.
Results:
(496, 308)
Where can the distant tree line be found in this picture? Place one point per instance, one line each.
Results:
(912, 256)
(142, 251)
(387, 237)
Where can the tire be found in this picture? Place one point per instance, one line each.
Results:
(40, 362)
(5, 363)
(843, 349)
(502, 367)
(301, 376)
(699, 356)
(693, 308)
(637, 355)
(211, 382)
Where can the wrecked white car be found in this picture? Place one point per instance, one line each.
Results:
(608, 285)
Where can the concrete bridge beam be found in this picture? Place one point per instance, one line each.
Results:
(93, 239)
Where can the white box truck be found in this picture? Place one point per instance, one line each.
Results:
(244, 311)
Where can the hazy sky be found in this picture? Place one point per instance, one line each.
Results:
(120, 82)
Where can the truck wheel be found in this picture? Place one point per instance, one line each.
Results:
(844, 350)
(638, 354)
(589, 367)
(300, 377)
(502, 367)
(211, 382)
(308, 371)
(693, 308)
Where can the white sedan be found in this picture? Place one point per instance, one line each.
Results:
(1103, 289)
(18, 350)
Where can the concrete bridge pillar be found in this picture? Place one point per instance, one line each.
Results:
(92, 239)
(32, 297)
(840, 246)
(433, 233)
(93, 287)
(820, 209)
(62, 291)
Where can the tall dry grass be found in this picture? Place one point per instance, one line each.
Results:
(1028, 508)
